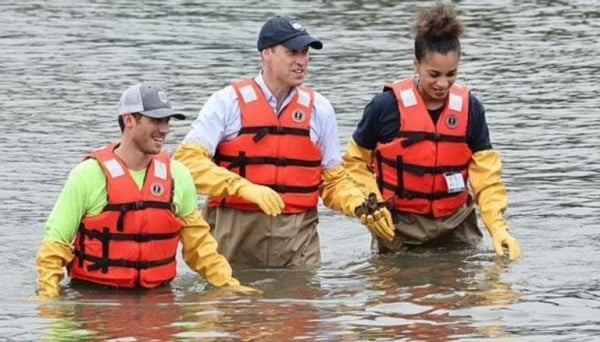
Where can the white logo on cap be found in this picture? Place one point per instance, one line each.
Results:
(297, 26)
(162, 96)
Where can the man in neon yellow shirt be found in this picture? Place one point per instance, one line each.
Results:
(122, 212)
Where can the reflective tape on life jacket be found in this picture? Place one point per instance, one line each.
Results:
(411, 168)
(133, 241)
(274, 152)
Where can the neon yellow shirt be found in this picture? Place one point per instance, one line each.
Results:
(84, 194)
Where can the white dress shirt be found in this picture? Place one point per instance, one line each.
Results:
(220, 121)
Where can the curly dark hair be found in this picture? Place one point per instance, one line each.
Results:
(437, 30)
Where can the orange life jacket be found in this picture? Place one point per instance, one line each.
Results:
(133, 241)
(271, 151)
(410, 169)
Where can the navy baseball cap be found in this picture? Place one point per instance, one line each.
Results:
(287, 32)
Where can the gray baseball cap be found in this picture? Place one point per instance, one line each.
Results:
(149, 100)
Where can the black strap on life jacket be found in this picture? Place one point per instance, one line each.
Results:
(103, 264)
(296, 189)
(409, 194)
(398, 165)
(242, 160)
(282, 189)
(123, 208)
(417, 136)
(422, 170)
(402, 167)
(379, 178)
(105, 237)
(262, 131)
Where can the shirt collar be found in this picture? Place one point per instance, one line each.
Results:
(260, 80)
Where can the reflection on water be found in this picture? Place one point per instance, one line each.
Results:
(533, 64)
(416, 297)
(123, 315)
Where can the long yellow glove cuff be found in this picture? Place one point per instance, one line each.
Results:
(51, 260)
(209, 178)
(358, 162)
(485, 172)
(214, 180)
(340, 192)
(200, 251)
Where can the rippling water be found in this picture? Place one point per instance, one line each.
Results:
(534, 64)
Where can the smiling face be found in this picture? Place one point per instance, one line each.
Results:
(146, 134)
(286, 67)
(437, 73)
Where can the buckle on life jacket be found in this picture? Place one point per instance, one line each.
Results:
(260, 134)
(142, 265)
(142, 237)
(279, 188)
(138, 205)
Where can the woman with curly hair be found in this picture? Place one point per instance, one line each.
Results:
(423, 140)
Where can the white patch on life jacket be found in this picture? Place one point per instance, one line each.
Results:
(408, 98)
(303, 98)
(114, 168)
(455, 103)
(160, 169)
(248, 93)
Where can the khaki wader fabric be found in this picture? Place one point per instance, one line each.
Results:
(253, 239)
(414, 230)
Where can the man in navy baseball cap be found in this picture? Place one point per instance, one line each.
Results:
(287, 32)
(264, 149)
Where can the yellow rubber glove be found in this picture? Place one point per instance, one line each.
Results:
(340, 192)
(376, 217)
(51, 260)
(234, 285)
(200, 254)
(213, 180)
(266, 198)
(209, 178)
(359, 163)
(485, 172)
